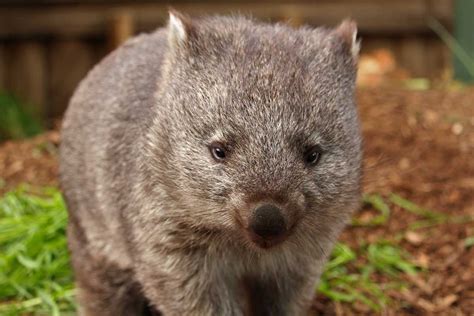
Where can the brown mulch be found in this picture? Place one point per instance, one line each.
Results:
(419, 145)
(32, 161)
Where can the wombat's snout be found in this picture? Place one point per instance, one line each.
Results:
(267, 225)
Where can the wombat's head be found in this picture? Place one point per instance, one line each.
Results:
(256, 129)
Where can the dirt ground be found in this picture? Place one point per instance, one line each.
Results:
(418, 144)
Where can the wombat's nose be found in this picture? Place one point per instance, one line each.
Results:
(267, 221)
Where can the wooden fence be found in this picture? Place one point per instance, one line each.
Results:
(47, 46)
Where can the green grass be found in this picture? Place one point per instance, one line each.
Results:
(15, 121)
(427, 218)
(353, 275)
(34, 263)
(35, 276)
(469, 242)
(376, 202)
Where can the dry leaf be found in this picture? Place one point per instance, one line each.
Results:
(413, 237)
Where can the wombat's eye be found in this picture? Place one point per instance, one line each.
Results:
(312, 156)
(217, 151)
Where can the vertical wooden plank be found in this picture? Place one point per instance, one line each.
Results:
(120, 29)
(436, 62)
(26, 71)
(413, 55)
(292, 17)
(69, 60)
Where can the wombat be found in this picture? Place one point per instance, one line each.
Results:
(209, 166)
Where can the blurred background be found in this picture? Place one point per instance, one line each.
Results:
(47, 46)
(409, 249)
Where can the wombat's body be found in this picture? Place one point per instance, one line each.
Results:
(190, 165)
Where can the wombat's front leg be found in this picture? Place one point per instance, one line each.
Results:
(103, 289)
(282, 296)
(179, 284)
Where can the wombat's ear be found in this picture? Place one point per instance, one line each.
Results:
(180, 29)
(347, 31)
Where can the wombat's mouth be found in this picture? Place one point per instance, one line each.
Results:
(266, 242)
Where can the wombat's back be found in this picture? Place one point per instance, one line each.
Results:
(99, 139)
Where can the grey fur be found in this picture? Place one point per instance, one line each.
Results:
(153, 218)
